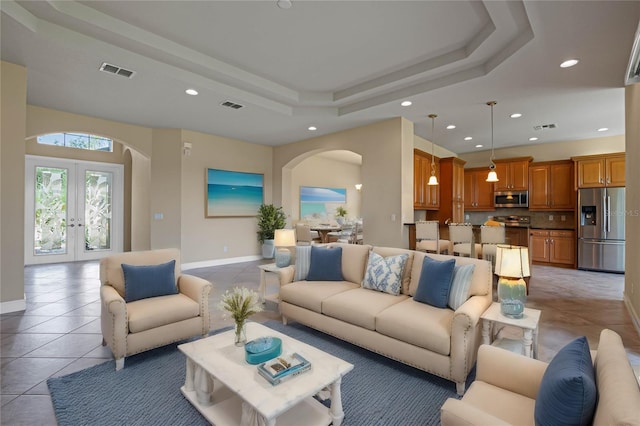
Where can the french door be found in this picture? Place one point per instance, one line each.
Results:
(74, 210)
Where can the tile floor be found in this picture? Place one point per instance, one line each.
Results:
(59, 332)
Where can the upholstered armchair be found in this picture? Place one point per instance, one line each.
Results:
(149, 303)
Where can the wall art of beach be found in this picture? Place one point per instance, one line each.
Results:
(233, 193)
(318, 201)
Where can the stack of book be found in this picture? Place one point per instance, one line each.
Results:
(284, 367)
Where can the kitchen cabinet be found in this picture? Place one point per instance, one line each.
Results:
(551, 186)
(555, 247)
(478, 193)
(425, 197)
(599, 171)
(513, 174)
(451, 190)
(516, 236)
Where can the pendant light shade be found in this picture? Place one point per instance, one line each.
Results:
(433, 180)
(492, 176)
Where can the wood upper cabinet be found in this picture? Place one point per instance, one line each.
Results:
(451, 190)
(425, 197)
(598, 171)
(551, 186)
(513, 174)
(478, 193)
(557, 247)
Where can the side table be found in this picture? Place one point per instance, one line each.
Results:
(269, 267)
(528, 323)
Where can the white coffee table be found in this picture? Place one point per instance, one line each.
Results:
(528, 345)
(229, 391)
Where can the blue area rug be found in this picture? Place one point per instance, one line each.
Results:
(378, 391)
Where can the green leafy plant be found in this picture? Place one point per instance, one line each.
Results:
(341, 211)
(270, 218)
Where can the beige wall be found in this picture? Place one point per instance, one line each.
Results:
(549, 151)
(205, 238)
(387, 150)
(325, 172)
(425, 145)
(13, 80)
(632, 205)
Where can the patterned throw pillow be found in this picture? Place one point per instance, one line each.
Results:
(303, 260)
(460, 285)
(384, 273)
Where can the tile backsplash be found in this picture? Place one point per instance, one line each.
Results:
(538, 219)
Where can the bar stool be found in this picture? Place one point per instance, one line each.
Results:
(490, 237)
(428, 237)
(462, 242)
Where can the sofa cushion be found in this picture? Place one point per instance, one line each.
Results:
(567, 393)
(360, 306)
(303, 261)
(309, 295)
(146, 314)
(460, 284)
(406, 273)
(418, 324)
(384, 273)
(435, 282)
(354, 260)
(326, 264)
(144, 281)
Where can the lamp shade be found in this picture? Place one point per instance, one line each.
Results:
(492, 176)
(512, 261)
(433, 180)
(285, 238)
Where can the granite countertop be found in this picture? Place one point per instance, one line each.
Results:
(554, 228)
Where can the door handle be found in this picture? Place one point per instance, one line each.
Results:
(608, 214)
(71, 226)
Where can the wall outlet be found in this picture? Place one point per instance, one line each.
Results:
(393, 217)
(158, 216)
(225, 249)
(466, 217)
(563, 218)
(550, 217)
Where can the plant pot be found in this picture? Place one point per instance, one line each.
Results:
(268, 249)
(340, 220)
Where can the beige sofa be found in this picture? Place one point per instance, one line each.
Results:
(506, 386)
(439, 341)
(130, 328)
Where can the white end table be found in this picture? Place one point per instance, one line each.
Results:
(528, 323)
(269, 267)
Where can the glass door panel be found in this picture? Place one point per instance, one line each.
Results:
(98, 210)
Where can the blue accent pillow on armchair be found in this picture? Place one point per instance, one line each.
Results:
(326, 264)
(435, 282)
(567, 394)
(141, 282)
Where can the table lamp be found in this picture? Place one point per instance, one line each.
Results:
(512, 265)
(284, 238)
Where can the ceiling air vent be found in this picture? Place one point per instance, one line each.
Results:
(114, 69)
(545, 127)
(230, 104)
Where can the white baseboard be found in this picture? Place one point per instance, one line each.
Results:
(218, 262)
(13, 306)
(632, 312)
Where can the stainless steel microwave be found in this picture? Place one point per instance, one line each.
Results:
(511, 199)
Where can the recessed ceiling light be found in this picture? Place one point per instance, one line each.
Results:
(533, 139)
(603, 129)
(468, 138)
(312, 128)
(479, 146)
(516, 115)
(406, 103)
(191, 92)
(451, 126)
(569, 63)
(284, 4)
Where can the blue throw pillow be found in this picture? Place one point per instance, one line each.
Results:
(435, 282)
(141, 282)
(326, 264)
(568, 393)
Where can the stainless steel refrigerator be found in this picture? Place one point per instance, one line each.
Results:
(601, 229)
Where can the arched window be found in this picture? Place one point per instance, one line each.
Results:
(77, 140)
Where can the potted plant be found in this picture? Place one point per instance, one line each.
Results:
(341, 213)
(270, 218)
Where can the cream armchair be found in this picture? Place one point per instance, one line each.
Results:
(133, 327)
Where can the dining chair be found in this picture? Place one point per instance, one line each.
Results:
(428, 237)
(490, 237)
(303, 234)
(461, 240)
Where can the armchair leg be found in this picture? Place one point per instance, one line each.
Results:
(460, 388)
(119, 364)
(104, 342)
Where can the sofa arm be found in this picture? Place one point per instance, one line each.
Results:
(510, 371)
(197, 289)
(286, 275)
(457, 412)
(114, 320)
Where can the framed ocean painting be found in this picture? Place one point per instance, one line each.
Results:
(232, 193)
(320, 202)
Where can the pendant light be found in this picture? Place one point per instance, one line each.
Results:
(433, 180)
(493, 176)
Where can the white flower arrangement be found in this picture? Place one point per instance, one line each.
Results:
(241, 303)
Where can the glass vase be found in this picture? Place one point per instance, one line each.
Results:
(512, 294)
(240, 333)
